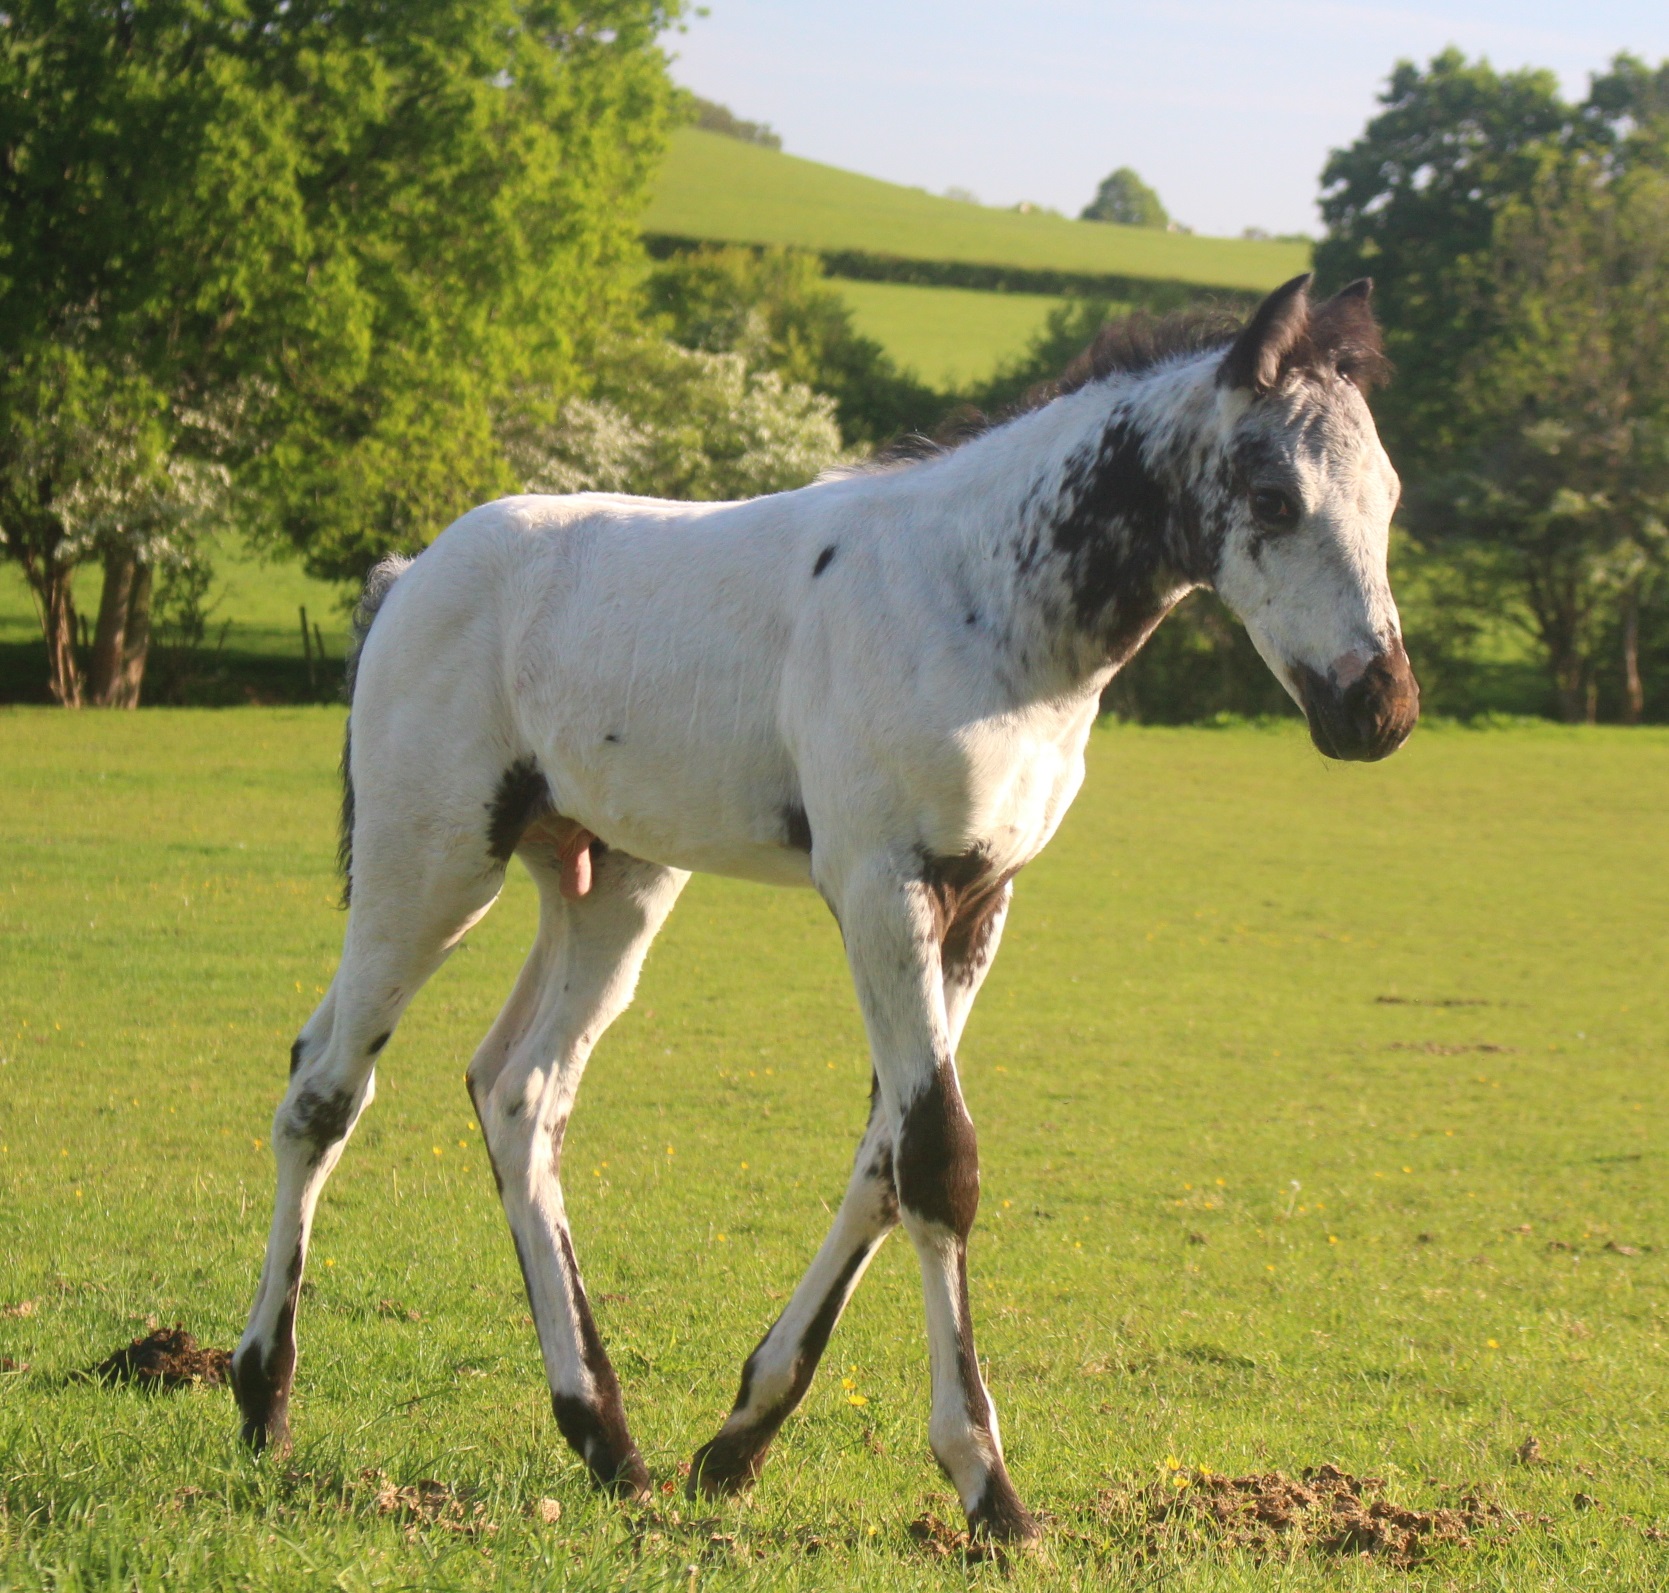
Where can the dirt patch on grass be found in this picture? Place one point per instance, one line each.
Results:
(1325, 1510)
(165, 1358)
(425, 1504)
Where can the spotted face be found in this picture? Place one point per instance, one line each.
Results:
(1307, 500)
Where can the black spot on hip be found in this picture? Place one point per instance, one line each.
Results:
(824, 560)
(523, 795)
(797, 827)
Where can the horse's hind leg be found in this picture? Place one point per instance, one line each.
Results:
(578, 978)
(408, 911)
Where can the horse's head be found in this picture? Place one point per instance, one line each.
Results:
(1306, 495)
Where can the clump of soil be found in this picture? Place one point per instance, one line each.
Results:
(1328, 1510)
(166, 1358)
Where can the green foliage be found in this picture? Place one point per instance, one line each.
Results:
(1125, 199)
(369, 221)
(712, 117)
(1565, 405)
(1519, 245)
(1420, 991)
(775, 308)
(1412, 204)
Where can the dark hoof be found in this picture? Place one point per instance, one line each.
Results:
(726, 1465)
(264, 1405)
(628, 1480)
(1000, 1518)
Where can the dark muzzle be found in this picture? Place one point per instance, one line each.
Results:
(1368, 719)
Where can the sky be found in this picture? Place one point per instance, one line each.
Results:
(1227, 107)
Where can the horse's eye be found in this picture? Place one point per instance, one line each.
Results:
(1273, 509)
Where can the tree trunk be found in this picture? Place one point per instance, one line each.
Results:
(1634, 695)
(137, 646)
(52, 586)
(110, 640)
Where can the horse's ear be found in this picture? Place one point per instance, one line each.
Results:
(1343, 333)
(1254, 358)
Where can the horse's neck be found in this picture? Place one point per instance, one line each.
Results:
(1059, 525)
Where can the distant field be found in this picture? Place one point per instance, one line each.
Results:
(947, 336)
(720, 188)
(1322, 1116)
(254, 602)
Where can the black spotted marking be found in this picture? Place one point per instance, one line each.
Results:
(966, 895)
(375, 1047)
(612, 739)
(736, 1456)
(523, 795)
(936, 1165)
(796, 827)
(824, 560)
(295, 1057)
(1111, 528)
(320, 1118)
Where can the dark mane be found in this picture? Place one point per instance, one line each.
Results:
(1129, 346)
(1139, 343)
(1341, 335)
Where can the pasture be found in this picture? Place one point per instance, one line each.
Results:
(719, 188)
(1322, 1121)
(951, 337)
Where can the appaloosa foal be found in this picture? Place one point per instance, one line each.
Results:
(879, 686)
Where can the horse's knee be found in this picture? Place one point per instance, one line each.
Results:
(319, 1110)
(936, 1163)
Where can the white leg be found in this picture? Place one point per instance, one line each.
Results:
(778, 1373)
(579, 977)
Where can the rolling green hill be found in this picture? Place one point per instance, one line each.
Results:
(712, 187)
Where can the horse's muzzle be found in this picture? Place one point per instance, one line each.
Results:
(1368, 719)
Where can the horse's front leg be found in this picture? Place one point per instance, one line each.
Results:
(894, 926)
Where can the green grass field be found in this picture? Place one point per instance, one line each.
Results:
(1322, 1118)
(950, 337)
(715, 187)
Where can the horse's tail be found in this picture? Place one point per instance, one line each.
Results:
(378, 584)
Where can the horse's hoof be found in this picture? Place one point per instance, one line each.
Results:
(1000, 1520)
(725, 1466)
(629, 1482)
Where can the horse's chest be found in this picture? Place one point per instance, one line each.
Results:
(1004, 792)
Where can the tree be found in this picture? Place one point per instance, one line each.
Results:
(711, 117)
(366, 222)
(1513, 239)
(1124, 198)
(1565, 401)
(1412, 203)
